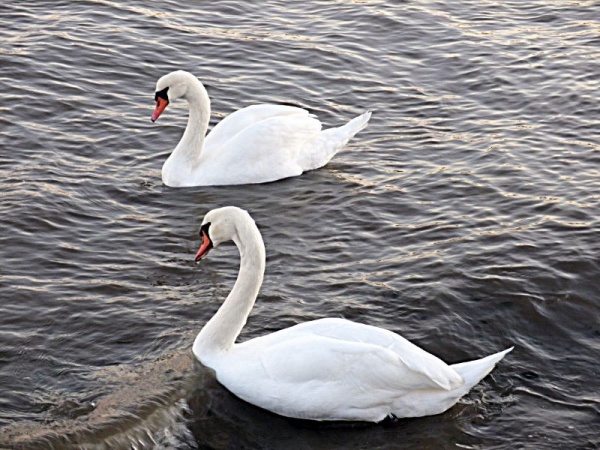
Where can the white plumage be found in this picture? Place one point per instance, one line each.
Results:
(256, 144)
(327, 369)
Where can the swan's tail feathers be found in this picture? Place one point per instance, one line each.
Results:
(355, 125)
(416, 404)
(474, 371)
(330, 141)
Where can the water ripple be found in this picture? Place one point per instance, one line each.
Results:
(464, 217)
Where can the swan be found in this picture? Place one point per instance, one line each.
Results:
(256, 144)
(326, 369)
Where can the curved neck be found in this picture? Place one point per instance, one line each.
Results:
(190, 145)
(221, 331)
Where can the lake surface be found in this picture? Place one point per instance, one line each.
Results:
(465, 216)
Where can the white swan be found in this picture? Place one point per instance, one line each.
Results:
(327, 369)
(256, 144)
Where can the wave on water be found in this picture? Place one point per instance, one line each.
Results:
(146, 408)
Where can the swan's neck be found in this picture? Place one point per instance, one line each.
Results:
(186, 155)
(219, 334)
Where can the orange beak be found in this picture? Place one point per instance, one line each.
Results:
(161, 104)
(205, 246)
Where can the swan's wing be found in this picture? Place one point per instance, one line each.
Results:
(244, 118)
(320, 377)
(313, 349)
(315, 358)
(266, 150)
(436, 372)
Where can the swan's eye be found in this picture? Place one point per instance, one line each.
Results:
(162, 94)
(204, 229)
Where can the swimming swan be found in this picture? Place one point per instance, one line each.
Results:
(256, 144)
(326, 369)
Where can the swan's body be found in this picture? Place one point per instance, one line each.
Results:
(256, 144)
(328, 369)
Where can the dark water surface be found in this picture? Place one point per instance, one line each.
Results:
(465, 217)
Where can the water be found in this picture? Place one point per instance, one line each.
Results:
(464, 216)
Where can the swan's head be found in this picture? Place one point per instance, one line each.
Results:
(170, 87)
(222, 225)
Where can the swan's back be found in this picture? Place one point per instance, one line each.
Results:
(244, 118)
(262, 143)
(267, 149)
(332, 369)
(430, 370)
